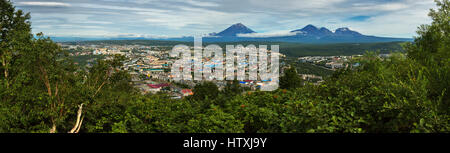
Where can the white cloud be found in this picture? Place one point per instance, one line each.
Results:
(380, 7)
(190, 16)
(134, 35)
(397, 18)
(268, 34)
(201, 3)
(296, 4)
(399, 23)
(123, 8)
(43, 4)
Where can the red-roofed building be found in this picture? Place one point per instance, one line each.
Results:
(187, 92)
(158, 85)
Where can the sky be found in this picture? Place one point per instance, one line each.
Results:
(175, 18)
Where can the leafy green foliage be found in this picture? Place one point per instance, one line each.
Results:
(205, 90)
(432, 50)
(290, 79)
(41, 89)
(307, 68)
(233, 88)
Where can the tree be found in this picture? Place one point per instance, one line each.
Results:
(233, 88)
(205, 90)
(55, 72)
(290, 79)
(41, 88)
(14, 39)
(432, 50)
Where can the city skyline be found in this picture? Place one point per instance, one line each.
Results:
(175, 18)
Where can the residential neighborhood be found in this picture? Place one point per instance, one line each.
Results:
(150, 67)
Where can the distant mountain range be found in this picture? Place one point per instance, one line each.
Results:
(234, 30)
(239, 32)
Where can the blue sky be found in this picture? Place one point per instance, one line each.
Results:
(360, 18)
(174, 18)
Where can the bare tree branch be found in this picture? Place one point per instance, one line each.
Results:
(77, 126)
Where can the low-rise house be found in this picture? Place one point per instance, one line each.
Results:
(187, 92)
(334, 65)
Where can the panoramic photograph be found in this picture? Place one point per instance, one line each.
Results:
(225, 66)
